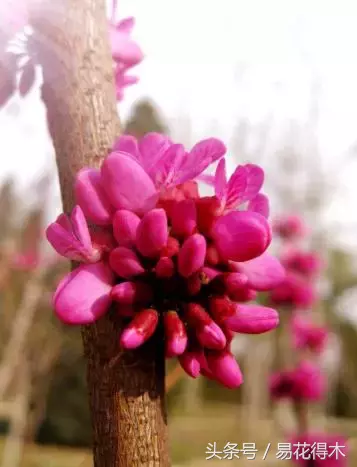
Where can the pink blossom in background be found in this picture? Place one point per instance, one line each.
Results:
(304, 383)
(294, 292)
(307, 335)
(290, 227)
(306, 263)
(319, 450)
(167, 254)
(125, 51)
(26, 261)
(13, 18)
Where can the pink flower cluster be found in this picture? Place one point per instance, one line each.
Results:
(303, 383)
(308, 336)
(162, 253)
(297, 291)
(290, 227)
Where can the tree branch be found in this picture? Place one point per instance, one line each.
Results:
(126, 389)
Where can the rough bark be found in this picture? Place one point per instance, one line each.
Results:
(126, 390)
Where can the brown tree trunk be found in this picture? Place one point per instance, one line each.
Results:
(126, 390)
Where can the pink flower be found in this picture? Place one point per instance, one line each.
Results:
(27, 261)
(308, 335)
(307, 264)
(126, 52)
(263, 272)
(70, 237)
(294, 292)
(122, 80)
(305, 383)
(83, 296)
(168, 258)
(290, 227)
(319, 450)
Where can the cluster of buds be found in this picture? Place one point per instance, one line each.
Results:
(161, 253)
(298, 292)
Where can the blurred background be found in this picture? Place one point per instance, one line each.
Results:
(276, 81)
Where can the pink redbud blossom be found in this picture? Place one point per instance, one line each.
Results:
(308, 335)
(140, 329)
(263, 272)
(253, 319)
(305, 383)
(174, 257)
(306, 263)
(152, 233)
(91, 197)
(290, 227)
(224, 368)
(192, 255)
(83, 296)
(294, 291)
(70, 237)
(25, 261)
(125, 263)
(229, 231)
(176, 336)
(190, 362)
(125, 225)
(128, 293)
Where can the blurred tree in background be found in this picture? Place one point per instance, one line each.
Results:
(144, 119)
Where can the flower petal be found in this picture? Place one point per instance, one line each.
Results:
(192, 255)
(127, 144)
(184, 218)
(220, 180)
(199, 158)
(241, 235)
(67, 245)
(80, 227)
(125, 225)
(253, 319)
(260, 204)
(225, 368)
(264, 272)
(152, 233)
(125, 263)
(127, 184)
(152, 148)
(83, 296)
(91, 197)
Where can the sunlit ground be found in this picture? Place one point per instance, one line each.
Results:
(190, 435)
